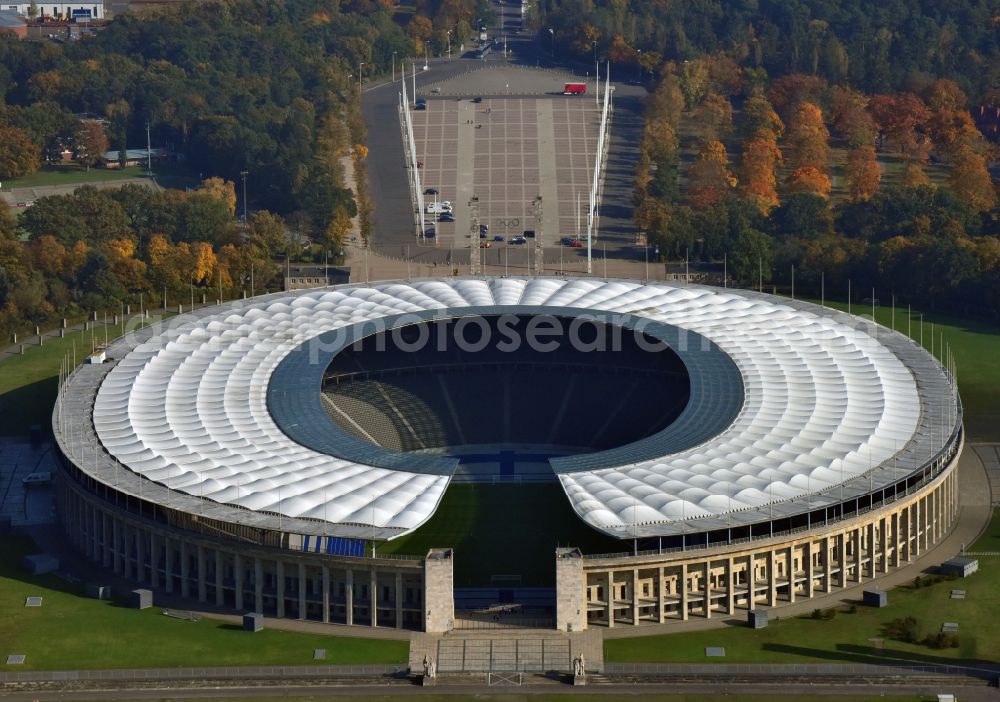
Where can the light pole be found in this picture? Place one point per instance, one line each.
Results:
(448, 35)
(638, 65)
(394, 66)
(552, 42)
(244, 175)
(426, 53)
(361, 67)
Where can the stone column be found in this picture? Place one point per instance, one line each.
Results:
(116, 549)
(807, 563)
(683, 590)
(399, 599)
(140, 555)
(168, 565)
(635, 597)
(858, 551)
(303, 607)
(884, 525)
(326, 594)
(772, 579)
(349, 595)
(154, 559)
(827, 566)
(707, 589)
(439, 590)
(791, 574)
(571, 589)
(185, 568)
(220, 593)
(238, 582)
(373, 597)
(258, 585)
(202, 567)
(611, 598)
(730, 587)
(842, 558)
(897, 523)
(661, 596)
(107, 532)
(871, 549)
(279, 589)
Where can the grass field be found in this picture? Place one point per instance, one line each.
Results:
(504, 529)
(109, 635)
(645, 697)
(72, 174)
(847, 638)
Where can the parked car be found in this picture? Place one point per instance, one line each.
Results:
(528, 234)
(430, 233)
(485, 244)
(499, 239)
(477, 99)
(446, 217)
(484, 228)
(577, 244)
(518, 240)
(431, 191)
(421, 104)
(567, 241)
(437, 208)
(482, 234)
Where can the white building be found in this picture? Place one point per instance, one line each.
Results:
(59, 10)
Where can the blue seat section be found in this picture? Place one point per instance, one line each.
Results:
(334, 546)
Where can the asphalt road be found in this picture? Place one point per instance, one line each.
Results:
(394, 222)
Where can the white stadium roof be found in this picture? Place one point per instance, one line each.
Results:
(828, 401)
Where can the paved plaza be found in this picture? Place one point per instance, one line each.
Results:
(507, 151)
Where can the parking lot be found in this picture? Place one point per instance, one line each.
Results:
(507, 151)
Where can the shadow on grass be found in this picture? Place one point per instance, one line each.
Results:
(27, 405)
(852, 653)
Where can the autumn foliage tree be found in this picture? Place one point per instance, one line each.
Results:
(862, 172)
(90, 141)
(970, 180)
(809, 179)
(758, 162)
(714, 117)
(808, 138)
(898, 118)
(709, 178)
(19, 155)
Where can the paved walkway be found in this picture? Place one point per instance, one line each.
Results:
(974, 516)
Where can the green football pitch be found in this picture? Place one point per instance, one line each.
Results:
(504, 530)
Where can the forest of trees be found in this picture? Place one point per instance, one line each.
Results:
(264, 86)
(757, 189)
(876, 47)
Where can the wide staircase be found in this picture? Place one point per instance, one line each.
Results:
(534, 651)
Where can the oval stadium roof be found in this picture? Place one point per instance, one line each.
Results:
(829, 401)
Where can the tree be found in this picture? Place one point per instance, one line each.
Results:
(809, 179)
(47, 255)
(850, 117)
(788, 91)
(90, 142)
(751, 257)
(898, 117)
(19, 155)
(714, 117)
(222, 190)
(709, 179)
(862, 172)
(913, 175)
(970, 180)
(757, 165)
(33, 10)
(758, 114)
(267, 231)
(802, 216)
(808, 137)
(667, 101)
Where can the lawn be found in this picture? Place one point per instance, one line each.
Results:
(71, 174)
(561, 697)
(847, 638)
(70, 631)
(504, 529)
(28, 382)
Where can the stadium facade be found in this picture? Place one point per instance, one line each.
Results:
(224, 455)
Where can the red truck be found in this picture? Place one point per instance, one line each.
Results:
(574, 89)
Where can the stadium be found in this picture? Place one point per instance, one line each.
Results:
(734, 449)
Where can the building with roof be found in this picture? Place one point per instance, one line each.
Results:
(13, 22)
(74, 11)
(745, 449)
